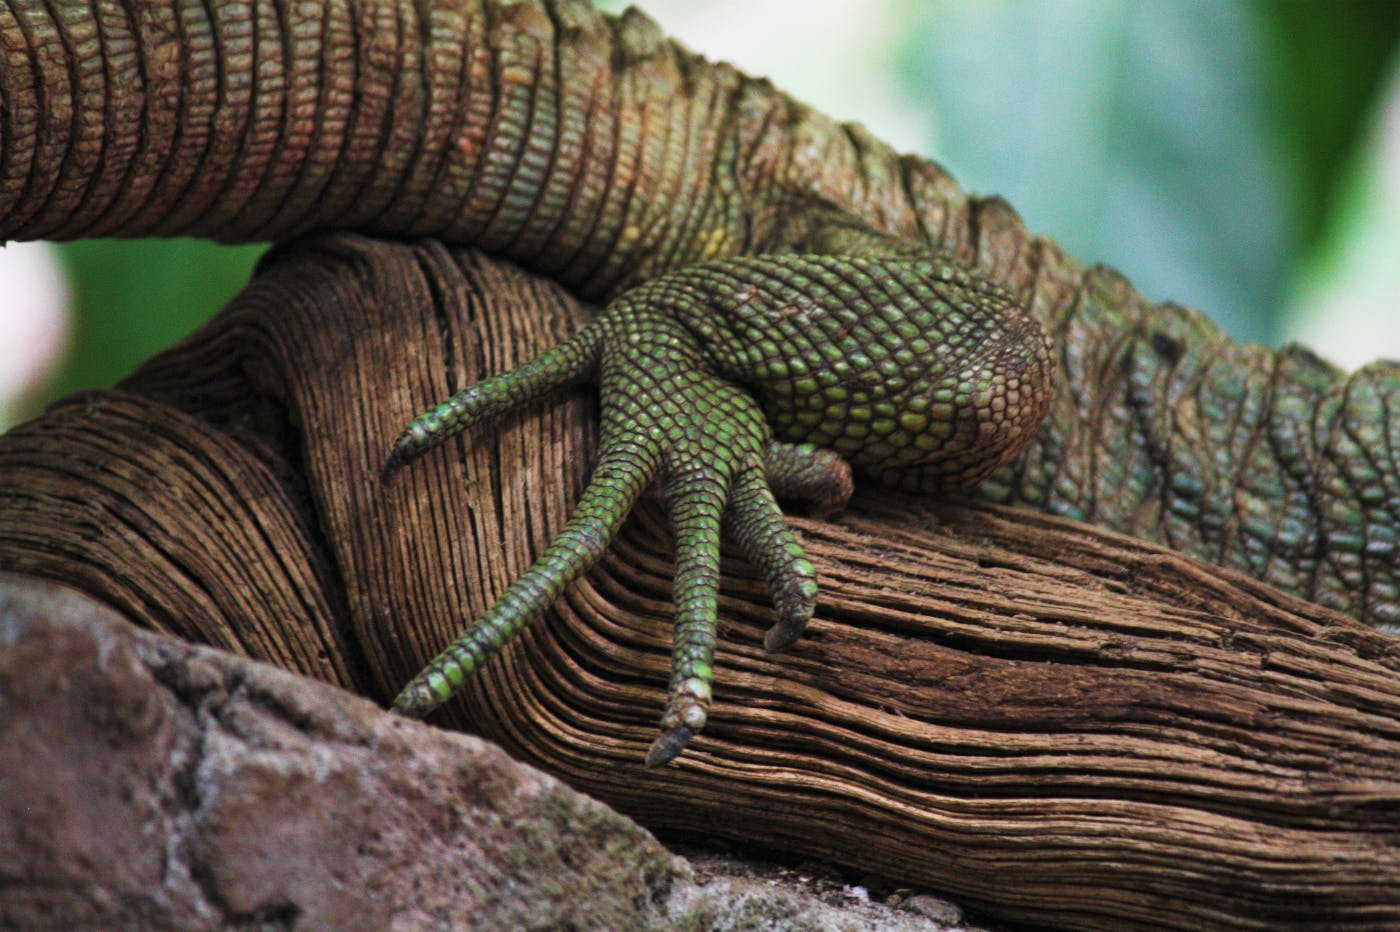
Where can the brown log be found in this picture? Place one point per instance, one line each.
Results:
(1050, 721)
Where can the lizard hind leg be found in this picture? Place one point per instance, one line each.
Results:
(573, 361)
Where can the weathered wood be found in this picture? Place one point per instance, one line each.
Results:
(1049, 720)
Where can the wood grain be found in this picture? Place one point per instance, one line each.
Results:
(1054, 722)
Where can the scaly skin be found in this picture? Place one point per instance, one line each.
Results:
(595, 151)
(908, 366)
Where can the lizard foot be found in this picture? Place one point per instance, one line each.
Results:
(665, 416)
(913, 368)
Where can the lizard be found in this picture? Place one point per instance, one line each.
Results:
(598, 152)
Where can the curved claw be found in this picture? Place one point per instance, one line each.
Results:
(391, 466)
(665, 748)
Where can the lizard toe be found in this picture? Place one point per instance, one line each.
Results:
(809, 473)
(755, 522)
(622, 473)
(572, 361)
(695, 487)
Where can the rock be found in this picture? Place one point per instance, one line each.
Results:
(941, 911)
(733, 893)
(149, 783)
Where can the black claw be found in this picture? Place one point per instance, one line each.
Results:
(782, 636)
(398, 456)
(795, 601)
(390, 467)
(665, 748)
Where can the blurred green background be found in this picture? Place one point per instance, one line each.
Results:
(133, 297)
(1220, 154)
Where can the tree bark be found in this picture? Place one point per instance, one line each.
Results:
(1051, 721)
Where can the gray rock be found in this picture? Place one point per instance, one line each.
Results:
(146, 782)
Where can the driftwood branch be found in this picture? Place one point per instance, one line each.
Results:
(1048, 720)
